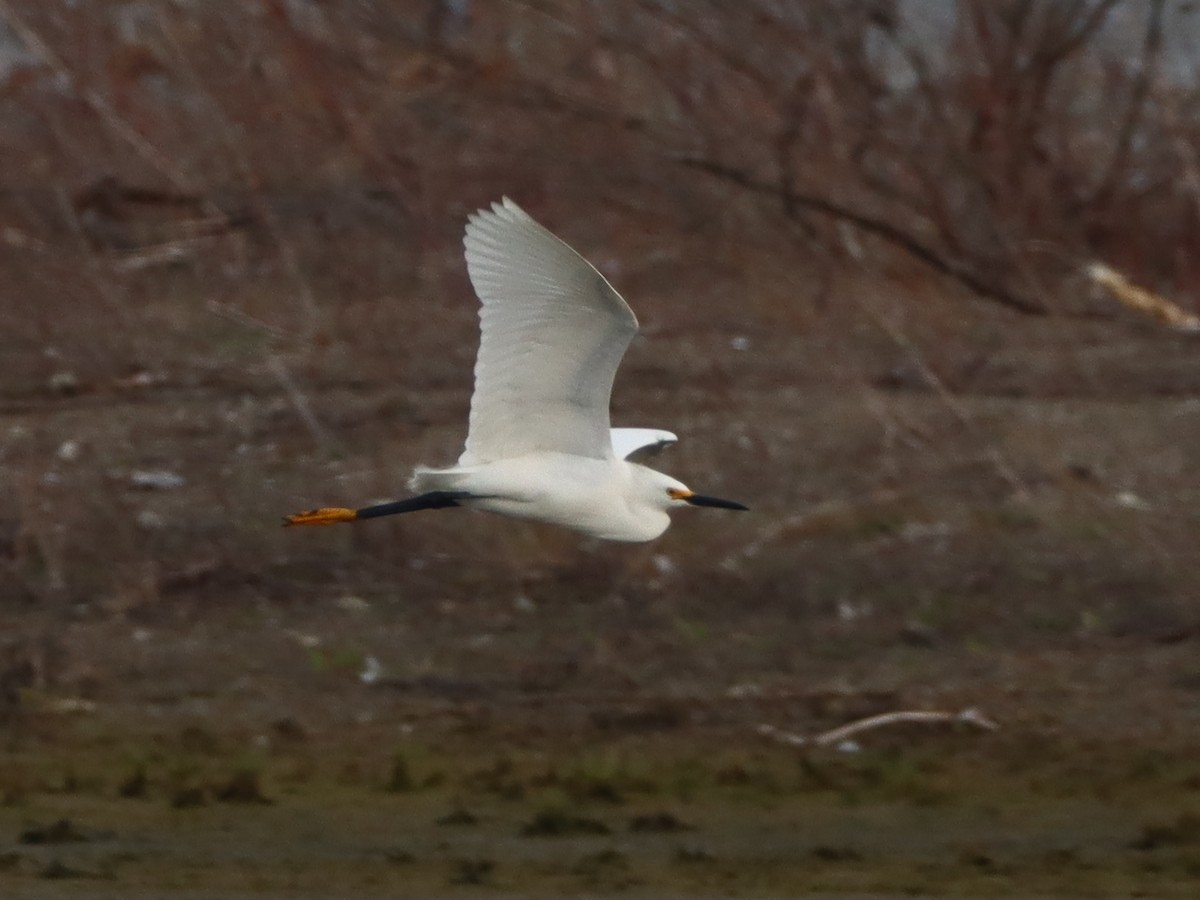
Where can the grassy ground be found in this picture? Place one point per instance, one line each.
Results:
(659, 810)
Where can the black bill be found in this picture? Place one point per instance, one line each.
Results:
(701, 500)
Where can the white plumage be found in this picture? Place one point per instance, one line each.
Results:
(552, 333)
(539, 444)
(628, 441)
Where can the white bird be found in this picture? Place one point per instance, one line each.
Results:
(539, 445)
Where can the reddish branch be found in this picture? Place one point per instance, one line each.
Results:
(954, 269)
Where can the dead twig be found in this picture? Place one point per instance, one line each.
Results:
(264, 210)
(1141, 300)
(299, 401)
(233, 314)
(97, 102)
(168, 253)
(960, 272)
(835, 736)
(1144, 75)
(825, 515)
(1003, 467)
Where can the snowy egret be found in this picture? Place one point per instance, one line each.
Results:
(539, 445)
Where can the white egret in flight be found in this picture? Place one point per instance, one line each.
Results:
(539, 445)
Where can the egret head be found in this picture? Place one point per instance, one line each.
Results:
(666, 492)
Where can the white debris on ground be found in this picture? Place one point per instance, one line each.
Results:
(156, 480)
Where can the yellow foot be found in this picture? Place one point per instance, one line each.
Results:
(326, 515)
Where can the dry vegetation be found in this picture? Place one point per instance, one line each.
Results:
(231, 286)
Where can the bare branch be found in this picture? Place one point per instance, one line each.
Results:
(954, 269)
(100, 106)
(1143, 301)
(303, 409)
(835, 736)
(1083, 33)
(1147, 69)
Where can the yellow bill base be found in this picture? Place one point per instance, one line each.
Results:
(326, 515)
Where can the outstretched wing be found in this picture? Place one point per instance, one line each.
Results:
(628, 441)
(553, 332)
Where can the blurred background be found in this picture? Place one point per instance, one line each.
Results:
(918, 283)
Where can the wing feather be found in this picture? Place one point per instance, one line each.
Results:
(553, 332)
(629, 441)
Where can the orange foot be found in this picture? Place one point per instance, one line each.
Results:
(326, 515)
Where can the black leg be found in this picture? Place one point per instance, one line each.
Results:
(432, 500)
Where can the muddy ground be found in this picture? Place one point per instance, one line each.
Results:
(201, 704)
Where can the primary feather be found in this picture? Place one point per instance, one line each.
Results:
(553, 332)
